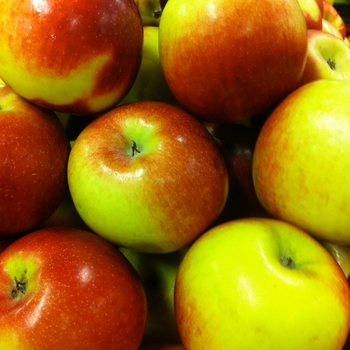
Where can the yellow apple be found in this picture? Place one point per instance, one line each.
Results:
(261, 284)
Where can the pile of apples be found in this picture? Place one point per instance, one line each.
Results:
(174, 175)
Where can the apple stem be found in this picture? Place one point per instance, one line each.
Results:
(134, 148)
(20, 287)
(288, 262)
(331, 64)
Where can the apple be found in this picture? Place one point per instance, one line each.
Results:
(331, 29)
(163, 346)
(328, 58)
(150, 84)
(80, 59)
(312, 13)
(69, 288)
(34, 151)
(332, 16)
(260, 283)
(158, 274)
(147, 176)
(227, 61)
(301, 160)
(150, 11)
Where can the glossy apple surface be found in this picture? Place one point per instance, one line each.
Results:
(79, 59)
(302, 158)
(147, 176)
(328, 58)
(34, 151)
(230, 60)
(69, 288)
(261, 284)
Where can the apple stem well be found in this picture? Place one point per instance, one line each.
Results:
(331, 64)
(134, 149)
(287, 262)
(20, 288)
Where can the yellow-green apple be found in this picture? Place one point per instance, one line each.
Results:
(215, 57)
(332, 16)
(237, 143)
(301, 157)
(260, 283)
(341, 254)
(80, 59)
(331, 29)
(67, 289)
(150, 11)
(158, 274)
(147, 176)
(34, 151)
(312, 13)
(150, 84)
(328, 58)
(163, 346)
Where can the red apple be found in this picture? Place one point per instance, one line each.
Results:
(34, 151)
(69, 289)
(230, 60)
(328, 57)
(80, 58)
(147, 176)
(331, 15)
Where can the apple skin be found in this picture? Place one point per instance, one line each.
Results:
(328, 58)
(158, 274)
(332, 16)
(331, 29)
(246, 79)
(150, 84)
(260, 283)
(34, 151)
(147, 176)
(79, 289)
(73, 59)
(313, 13)
(301, 157)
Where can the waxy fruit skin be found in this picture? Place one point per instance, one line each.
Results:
(230, 60)
(80, 58)
(34, 150)
(80, 292)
